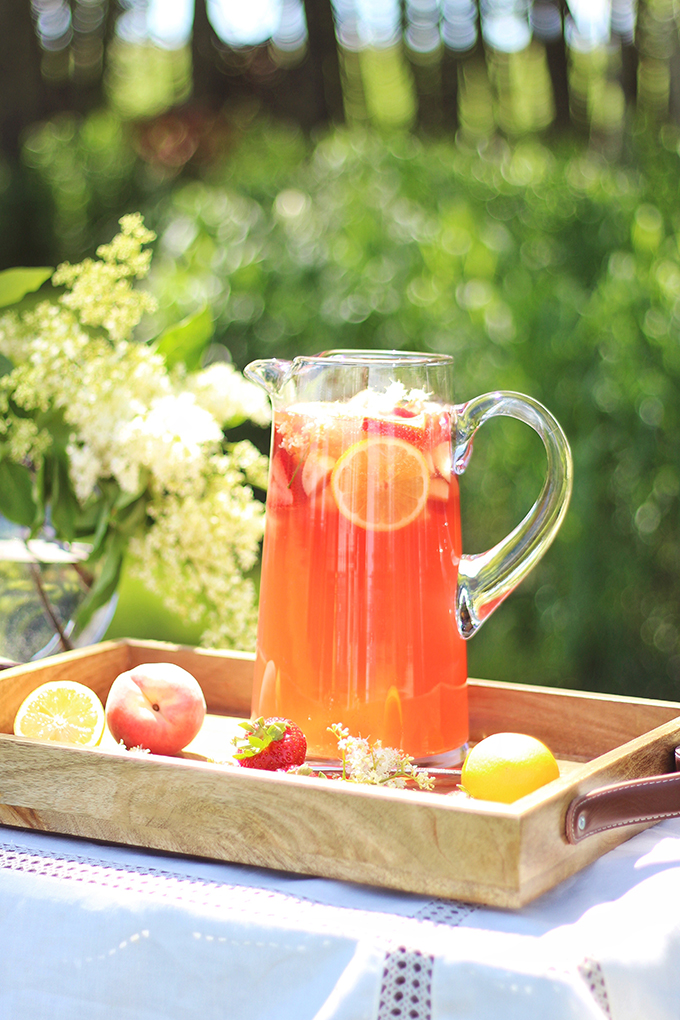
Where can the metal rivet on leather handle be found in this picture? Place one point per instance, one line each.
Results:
(581, 821)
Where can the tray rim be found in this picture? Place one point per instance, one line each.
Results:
(515, 810)
(519, 822)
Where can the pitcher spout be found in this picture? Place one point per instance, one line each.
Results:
(270, 373)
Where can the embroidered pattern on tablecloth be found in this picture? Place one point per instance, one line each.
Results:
(449, 912)
(591, 972)
(406, 985)
(268, 906)
(148, 881)
(410, 944)
(407, 973)
(405, 989)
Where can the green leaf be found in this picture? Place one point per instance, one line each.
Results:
(128, 520)
(42, 493)
(17, 283)
(16, 493)
(88, 517)
(107, 581)
(64, 503)
(185, 342)
(52, 421)
(101, 529)
(124, 499)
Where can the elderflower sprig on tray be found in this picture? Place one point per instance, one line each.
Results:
(365, 762)
(124, 445)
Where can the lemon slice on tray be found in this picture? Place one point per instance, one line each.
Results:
(63, 711)
(381, 483)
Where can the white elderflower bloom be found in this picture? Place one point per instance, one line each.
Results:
(205, 540)
(364, 762)
(100, 397)
(102, 299)
(27, 439)
(229, 397)
(251, 462)
(12, 336)
(100, 291)
(126, 247)
(171, 439)
(85, 469)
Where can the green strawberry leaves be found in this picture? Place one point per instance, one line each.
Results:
(258, 736)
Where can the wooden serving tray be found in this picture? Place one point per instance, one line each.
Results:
(434, 844)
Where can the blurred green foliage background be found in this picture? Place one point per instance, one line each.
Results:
(546, 270)
(545, 263)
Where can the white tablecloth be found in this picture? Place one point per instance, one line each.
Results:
(93, 932)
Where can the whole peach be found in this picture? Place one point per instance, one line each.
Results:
(158, 706)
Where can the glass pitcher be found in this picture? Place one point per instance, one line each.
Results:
(366, 597)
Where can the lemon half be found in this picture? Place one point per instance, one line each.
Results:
(63, 711)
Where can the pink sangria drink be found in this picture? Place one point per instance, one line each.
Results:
(357, 622)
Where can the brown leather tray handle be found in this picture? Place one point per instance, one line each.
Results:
(627, 803)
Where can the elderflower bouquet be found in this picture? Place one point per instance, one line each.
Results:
(123, 445)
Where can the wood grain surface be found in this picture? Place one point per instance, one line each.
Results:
(428, 843)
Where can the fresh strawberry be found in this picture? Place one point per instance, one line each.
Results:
(270, 744)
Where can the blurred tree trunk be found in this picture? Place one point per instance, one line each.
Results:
(27, 96)
(556, 56)
(548, 28)
(323, 60)
(308, 93)
(450, 71)
(425, 62)
(25, 212)
(84, 89)
(21, 88)
(208, 83)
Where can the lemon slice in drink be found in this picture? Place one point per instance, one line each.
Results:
(64, 711)
(381, 483)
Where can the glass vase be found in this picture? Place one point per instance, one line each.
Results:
(43, 583)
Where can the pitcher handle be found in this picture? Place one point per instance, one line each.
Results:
(485, 579)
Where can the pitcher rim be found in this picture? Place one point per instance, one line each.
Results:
(357, 356)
